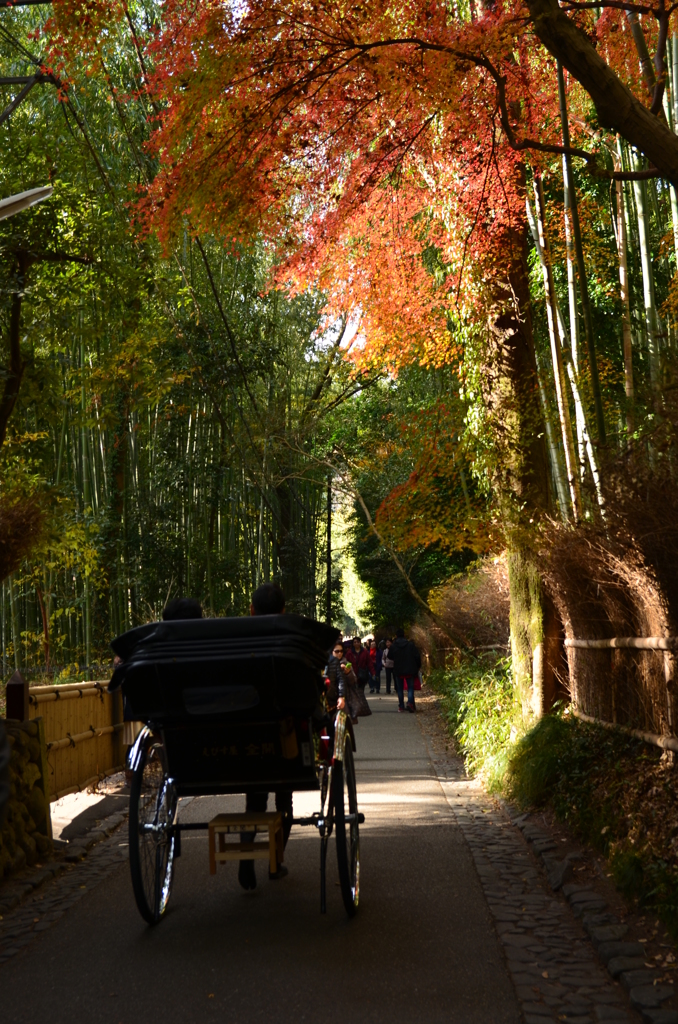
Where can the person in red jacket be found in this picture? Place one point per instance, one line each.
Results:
(406, 665)
(360, 659)
(375, 683)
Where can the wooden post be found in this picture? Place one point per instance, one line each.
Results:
(17, 698)
(669, 678)
(44, 782)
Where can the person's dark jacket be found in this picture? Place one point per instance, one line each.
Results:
(405, 656)
(338, 680)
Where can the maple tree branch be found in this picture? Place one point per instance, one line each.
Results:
(544, 147)
(354, 388)
(347, 51)
(659, 63)
(618, 109)
(475, 219)
(481, 61)
(619, 5)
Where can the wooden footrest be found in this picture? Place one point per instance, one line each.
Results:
(229, 824)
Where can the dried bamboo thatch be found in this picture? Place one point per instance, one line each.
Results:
(22, 523)
(620, 579)
(475, 607)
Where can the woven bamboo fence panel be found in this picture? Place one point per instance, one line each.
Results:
(83, 732)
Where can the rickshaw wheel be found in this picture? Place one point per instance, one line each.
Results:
(345, 805)
(153, 804)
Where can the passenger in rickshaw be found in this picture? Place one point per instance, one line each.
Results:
(177, 608)
(268, 599)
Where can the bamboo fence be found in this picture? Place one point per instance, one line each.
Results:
(83, 733)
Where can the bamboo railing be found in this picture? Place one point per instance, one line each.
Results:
(638, 643)
(83, 732)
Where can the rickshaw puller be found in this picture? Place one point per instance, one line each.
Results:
(268, 599)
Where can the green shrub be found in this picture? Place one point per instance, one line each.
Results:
(612, 790)
(615, 793)
(482, 712)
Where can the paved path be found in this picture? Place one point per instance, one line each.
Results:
(556, 973)
(423, 947)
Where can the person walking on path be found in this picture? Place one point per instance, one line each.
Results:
(375, 683)
(387, 662)
(406, 665)
(340, 668)
(360, 659)
(379, 664)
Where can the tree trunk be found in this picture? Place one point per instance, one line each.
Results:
(521, 475)
(15, 371)
(510, 384)
(527, 630)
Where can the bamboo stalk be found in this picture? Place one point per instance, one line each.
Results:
(16, 628)
(586, 438)
(673, 106)
(581, 266)
(81, 737)
(558, 376)
(557, 473)
(3, 638)
(627, 340)
(61, 689)
(651, 319)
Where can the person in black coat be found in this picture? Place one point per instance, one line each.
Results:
(268, 599)
(406, 664)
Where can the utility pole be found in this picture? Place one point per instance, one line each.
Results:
(328, 595)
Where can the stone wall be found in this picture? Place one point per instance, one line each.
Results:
(26, 834)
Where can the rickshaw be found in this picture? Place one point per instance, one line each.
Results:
(232, 705)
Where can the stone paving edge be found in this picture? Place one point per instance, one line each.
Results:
(13, 891)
